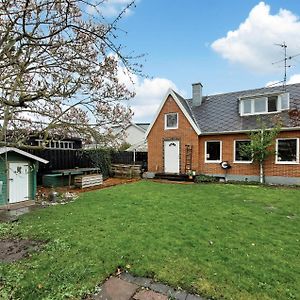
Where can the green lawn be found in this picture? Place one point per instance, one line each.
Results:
(221, 241)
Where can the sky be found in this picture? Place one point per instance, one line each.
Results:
(226, 45)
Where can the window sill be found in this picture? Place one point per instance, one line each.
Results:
(287, 163)
(170, 128)
(262, 113)
(243, 162)
(212, 161)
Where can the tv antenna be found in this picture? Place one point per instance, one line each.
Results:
(285, 61)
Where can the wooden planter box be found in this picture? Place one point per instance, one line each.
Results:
(128, 171)
(84, 181)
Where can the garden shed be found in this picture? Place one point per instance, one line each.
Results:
(18, 172)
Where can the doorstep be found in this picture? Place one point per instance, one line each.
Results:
(18, 205)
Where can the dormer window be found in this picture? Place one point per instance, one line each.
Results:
(171, 121)
(263, 104)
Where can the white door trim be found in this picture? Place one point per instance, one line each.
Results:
(171, 156)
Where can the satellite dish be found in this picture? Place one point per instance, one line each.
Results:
(225, 165)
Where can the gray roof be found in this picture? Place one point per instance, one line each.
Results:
(144, 126)
(220, 113)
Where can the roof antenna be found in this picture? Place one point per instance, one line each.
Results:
(285, 60)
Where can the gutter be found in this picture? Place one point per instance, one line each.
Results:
(246, 131)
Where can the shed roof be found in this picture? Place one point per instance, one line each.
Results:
(141, 146)
(21, 152)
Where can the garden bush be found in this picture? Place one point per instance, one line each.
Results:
(205, 178)
(100, 158)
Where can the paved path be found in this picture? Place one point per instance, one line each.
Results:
(128, 287)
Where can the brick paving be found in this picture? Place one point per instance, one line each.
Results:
(127, 287)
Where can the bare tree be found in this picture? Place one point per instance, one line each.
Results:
(59, 70)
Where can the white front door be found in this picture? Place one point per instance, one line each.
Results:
(18, 182)
(171, 156)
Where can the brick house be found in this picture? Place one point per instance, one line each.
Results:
(199, 134)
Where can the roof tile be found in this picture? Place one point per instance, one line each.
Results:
(220, 113)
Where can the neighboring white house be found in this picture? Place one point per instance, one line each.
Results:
(135, 133)
(134, 136)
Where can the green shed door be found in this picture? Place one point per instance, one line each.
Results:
(18, 182)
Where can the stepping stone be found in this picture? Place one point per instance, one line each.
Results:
(193, 297)
(142, 281)
(116, 289)
(127, 277)
(179, 295)
(149, 295)
(160, 288)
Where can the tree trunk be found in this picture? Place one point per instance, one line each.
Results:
(261, 172)
(3, 130)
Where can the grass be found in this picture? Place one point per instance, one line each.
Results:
(221, 241)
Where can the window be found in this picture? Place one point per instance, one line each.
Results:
(284, 101)
(272, 103)
(57, 144)
(171, 121)
(213, 151)
(264, 104)
(247, 105)
(239, 156)
(287, 151)
(259, 105)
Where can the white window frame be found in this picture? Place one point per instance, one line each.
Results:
(253, 105)
(55, 144)
(280, 102)
(252, 99)
(168, 128)
(281, 162)
(205, 152)
(234, 153)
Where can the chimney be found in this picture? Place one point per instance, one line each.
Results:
(197, 93)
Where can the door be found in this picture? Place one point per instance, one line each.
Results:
(18, 182)
(171, 151)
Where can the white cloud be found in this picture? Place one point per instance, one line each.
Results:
(149, 94)
(112, 8)
(293, 79)
(252, 44)
(273, 83)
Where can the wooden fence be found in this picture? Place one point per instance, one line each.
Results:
(71, 159)
(62, 159)
(129, 158)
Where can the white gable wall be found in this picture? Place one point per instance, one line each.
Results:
(134, 135)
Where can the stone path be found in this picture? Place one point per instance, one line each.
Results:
(128, 287)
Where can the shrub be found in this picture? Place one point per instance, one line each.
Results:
(205, 178)
(100, 158)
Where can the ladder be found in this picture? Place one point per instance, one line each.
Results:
(188, 158)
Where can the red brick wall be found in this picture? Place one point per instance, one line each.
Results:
(271, 168)
(227, 155)
(185, 134)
